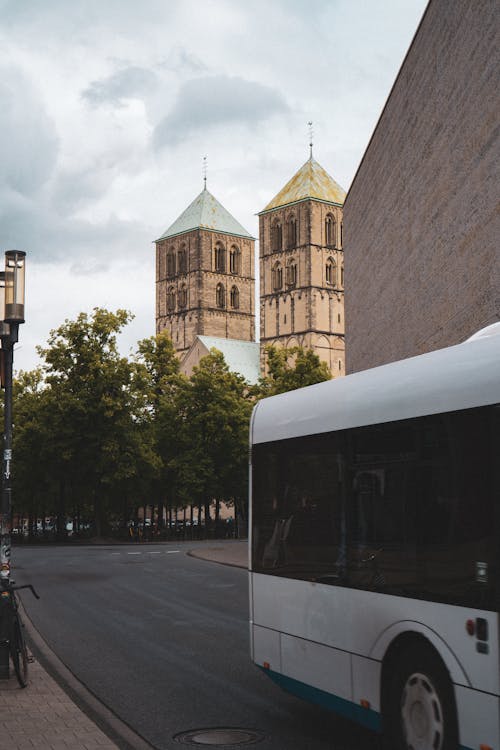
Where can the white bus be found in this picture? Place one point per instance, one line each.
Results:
(375, 537)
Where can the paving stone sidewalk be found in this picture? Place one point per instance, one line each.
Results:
(43, 717)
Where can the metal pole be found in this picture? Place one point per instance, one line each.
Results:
(6, 514)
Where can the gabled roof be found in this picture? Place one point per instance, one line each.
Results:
(311, 181)
(205, 212)
(242, 357)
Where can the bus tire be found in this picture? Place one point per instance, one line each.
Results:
(420, 710)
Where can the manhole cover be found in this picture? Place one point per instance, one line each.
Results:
(220, 737)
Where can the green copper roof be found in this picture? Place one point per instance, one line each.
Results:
(242, 357)
(205, 212)
(311, 181)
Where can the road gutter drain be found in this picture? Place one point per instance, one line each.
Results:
(219, 737)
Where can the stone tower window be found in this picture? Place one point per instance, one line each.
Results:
(276, 236)
(331, 272)
(171, 262)
(183, 296)
(235, 260)
(330, 231)
(182, 260)
(220, 258)
(171, 299)
(277, 276)
(291, 235)
(220, 296)
(291, 273)
(342, 275)
(235, 298)
(341, 235)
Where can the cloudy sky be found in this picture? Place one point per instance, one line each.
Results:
(108, 107)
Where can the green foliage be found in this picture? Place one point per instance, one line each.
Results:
(93, 439)
(289, 369)
(213, 410)
(97, 434)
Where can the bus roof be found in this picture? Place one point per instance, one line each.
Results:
(459, 377)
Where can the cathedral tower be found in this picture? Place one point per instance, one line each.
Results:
(302, 267)
(205, 276)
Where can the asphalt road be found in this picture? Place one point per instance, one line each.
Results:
(162, 639)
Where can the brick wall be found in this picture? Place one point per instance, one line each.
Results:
(421, 228)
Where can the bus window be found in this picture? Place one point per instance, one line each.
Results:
(298, 517)
(381, 508)
(456, 509)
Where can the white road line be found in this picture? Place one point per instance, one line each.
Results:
(172, 551)
(154, 553)
(134, 553)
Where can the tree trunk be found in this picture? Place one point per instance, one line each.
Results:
(208, 520)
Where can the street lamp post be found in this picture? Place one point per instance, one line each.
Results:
(12, 285)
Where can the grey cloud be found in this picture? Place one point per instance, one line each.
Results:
(33, 224)
(182, 61)
(209, 101)
(127, 83)
(28, 139)
(73, 189)
(88, 267)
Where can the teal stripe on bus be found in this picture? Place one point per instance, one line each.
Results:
(364, 716)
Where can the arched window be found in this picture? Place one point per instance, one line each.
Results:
(220, 258)
(235, 298)
(291, 273)
(277, 279)
(171, 299)
(220, 296)
(342, 275)
(341, 235)
(171, 262)
(182, 260)
(234, 260)
(330, 231)
(183, 296)
(291, 238)
(276, 236)
(331, 272)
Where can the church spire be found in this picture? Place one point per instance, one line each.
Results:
(204, 173)
(310, 139)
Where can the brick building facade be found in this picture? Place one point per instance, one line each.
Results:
(302, 267)
(421, 221)
(205, 280)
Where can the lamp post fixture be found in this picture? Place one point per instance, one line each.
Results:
(12, 283)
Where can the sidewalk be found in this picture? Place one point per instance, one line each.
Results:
(234, 553)
(43, 716)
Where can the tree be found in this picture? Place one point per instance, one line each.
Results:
(213, 409)
(93, 436)
(33, 489)
(289, 369)
(159, 379)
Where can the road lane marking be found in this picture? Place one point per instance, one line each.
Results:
(172, 551)
(154, 553)
(134, 553)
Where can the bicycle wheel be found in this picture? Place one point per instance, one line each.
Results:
(18, 652)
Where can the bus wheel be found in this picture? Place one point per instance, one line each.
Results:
(421, 711)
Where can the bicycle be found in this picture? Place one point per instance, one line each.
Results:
(13, 628)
